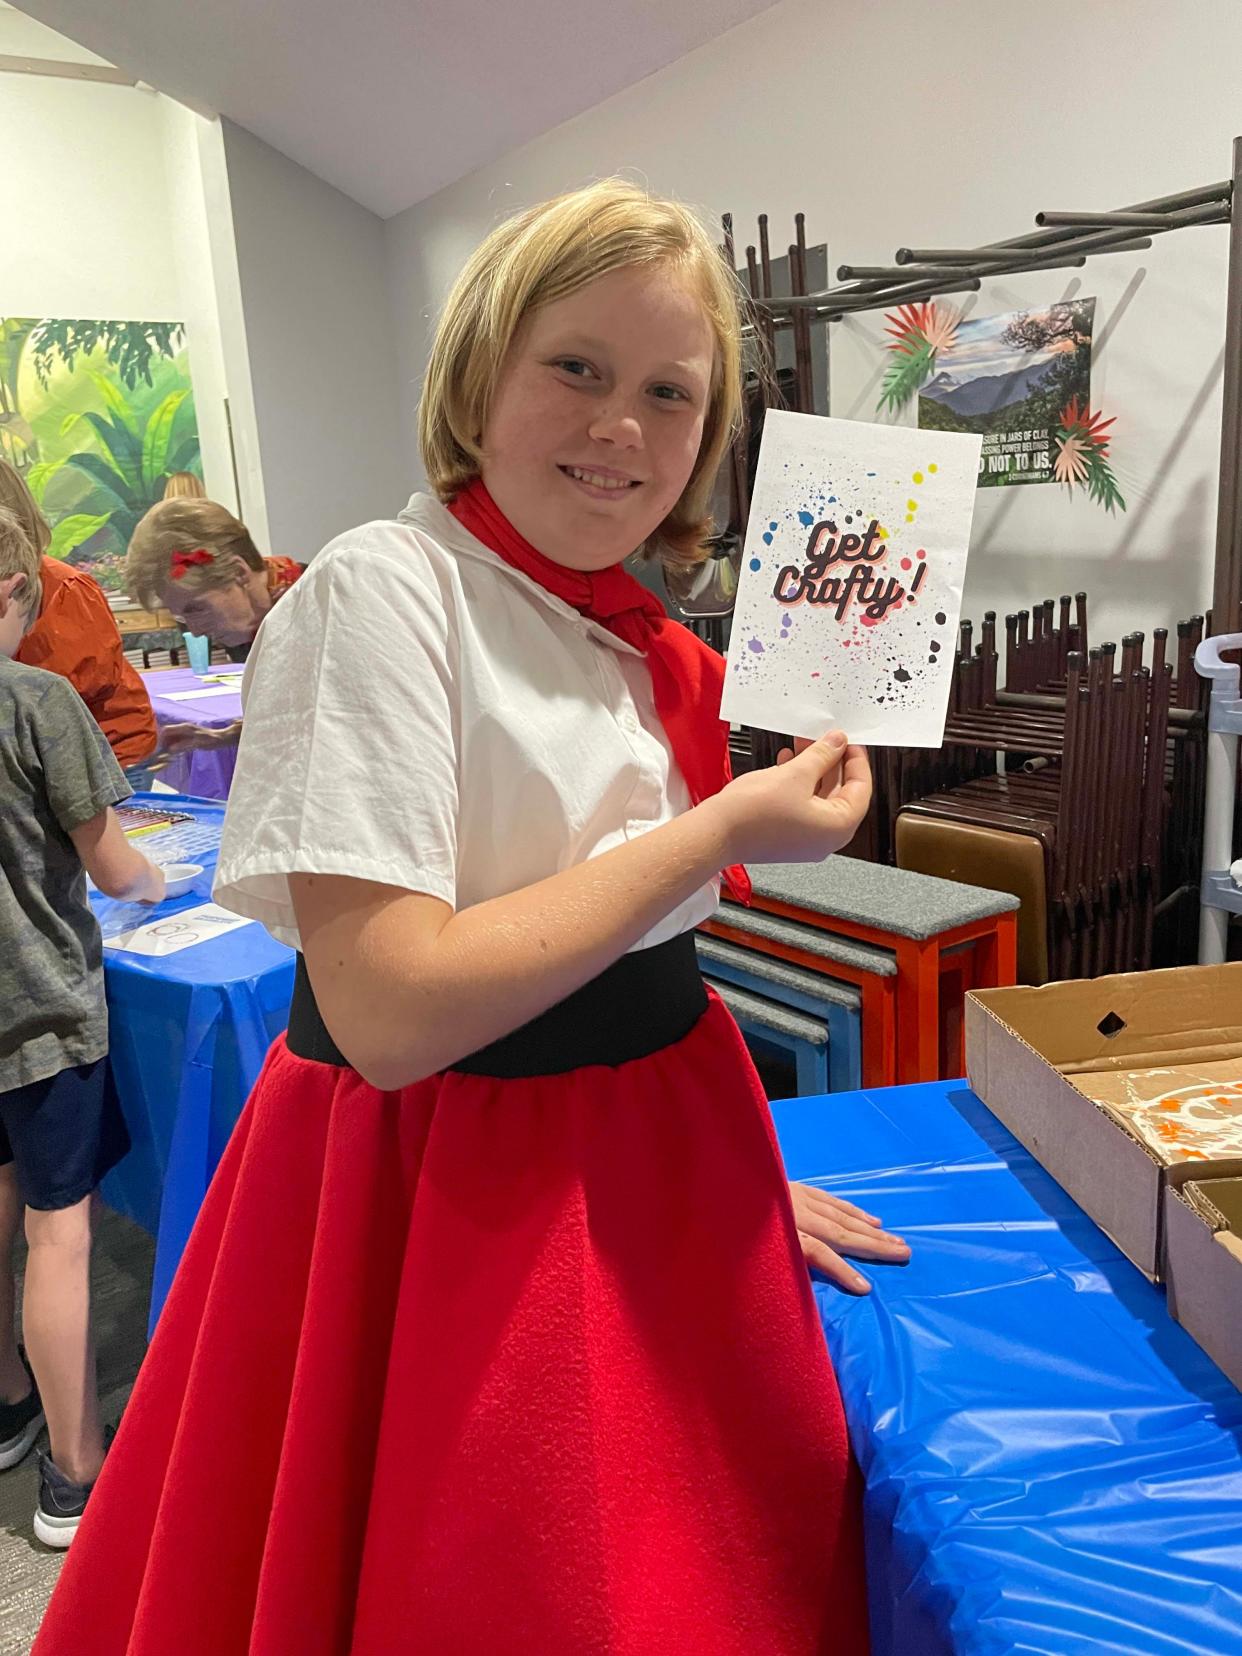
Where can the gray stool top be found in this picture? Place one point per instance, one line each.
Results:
(864, 957)
(775, 970)
(769, 1014)
(892, 899)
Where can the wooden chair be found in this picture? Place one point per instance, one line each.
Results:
(995, 858)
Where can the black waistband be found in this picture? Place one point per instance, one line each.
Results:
(642, 1003)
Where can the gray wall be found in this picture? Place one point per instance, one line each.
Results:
(315, 301)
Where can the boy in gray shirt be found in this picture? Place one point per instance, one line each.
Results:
(60, 1125)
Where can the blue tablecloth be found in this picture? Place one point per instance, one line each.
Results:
(1052, 1464)
(188, 1033)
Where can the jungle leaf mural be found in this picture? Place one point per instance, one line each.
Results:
(96, 415)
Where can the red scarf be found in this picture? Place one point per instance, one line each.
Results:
(686, 676)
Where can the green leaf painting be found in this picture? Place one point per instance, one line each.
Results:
(73, 531)
(96, 416)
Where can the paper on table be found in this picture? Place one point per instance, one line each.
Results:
(194, 695)
(179, 931)
(851, 585)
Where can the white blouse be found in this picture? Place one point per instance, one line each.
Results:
(420, 714)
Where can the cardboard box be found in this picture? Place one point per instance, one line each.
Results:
(1034, 1056)
(1203, 1266)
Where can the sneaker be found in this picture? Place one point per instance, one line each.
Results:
(61, 1501)
(20, 1424)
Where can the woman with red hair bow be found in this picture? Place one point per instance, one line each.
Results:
(196, 560)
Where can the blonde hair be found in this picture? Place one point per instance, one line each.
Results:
(15, 497)
(543, 255)
(19, 556)
(184, 486)
(187, 526)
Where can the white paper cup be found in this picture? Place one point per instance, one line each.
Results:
(179, 877)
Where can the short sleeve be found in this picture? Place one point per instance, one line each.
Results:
(80, 774)
(348, 757)
(76, 637)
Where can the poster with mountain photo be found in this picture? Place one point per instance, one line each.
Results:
(1009, 378)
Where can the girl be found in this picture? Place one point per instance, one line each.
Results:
(494, 1333)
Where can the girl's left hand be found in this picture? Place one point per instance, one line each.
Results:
(829, 1227)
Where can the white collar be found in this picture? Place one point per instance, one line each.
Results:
(432, 517)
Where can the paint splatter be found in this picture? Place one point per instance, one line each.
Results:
(755, 645)
(906, 564)
(756, 563)
(941, 618)
(912, 505)
(902, 676)
(806, 519)
(933, 468)
(936, 644)
(767, 536)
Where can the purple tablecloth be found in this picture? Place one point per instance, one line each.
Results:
(206, 775)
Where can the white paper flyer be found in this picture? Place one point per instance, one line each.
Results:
(851, 585)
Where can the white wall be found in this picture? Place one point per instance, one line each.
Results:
(97, 197)
(948, 125)
(315, 304)
(230, 459)
(118, 202)
(82, 192)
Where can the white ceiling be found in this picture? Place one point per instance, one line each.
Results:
(390, 100)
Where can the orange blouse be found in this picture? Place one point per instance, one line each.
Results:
(281, 574)
(76, 637)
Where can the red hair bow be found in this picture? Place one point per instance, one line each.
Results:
(182, 561)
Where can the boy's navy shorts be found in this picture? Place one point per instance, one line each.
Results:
(62, 1134)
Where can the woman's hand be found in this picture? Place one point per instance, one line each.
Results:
(801, 810)
(189, 738)
(829, 1227)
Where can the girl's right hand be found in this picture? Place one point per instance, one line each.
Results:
(801, 810)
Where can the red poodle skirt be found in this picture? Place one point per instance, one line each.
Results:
(486, 1367)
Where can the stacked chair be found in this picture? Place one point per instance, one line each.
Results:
(857, 973)
(1076, 828)
(1078, 787)
(794, 965)
(810, 1018)
(1091, 806)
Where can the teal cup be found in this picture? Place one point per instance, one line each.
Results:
(199, 651)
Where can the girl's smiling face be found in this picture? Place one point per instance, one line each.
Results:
(598, 416)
